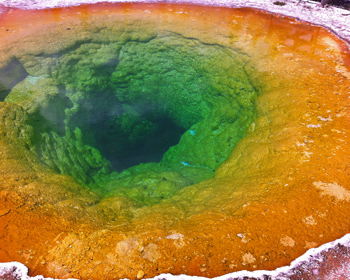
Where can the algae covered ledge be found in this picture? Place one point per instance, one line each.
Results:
(127, 109)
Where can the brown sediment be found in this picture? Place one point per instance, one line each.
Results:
(284, 190)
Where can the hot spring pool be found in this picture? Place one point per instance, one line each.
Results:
(140, 139)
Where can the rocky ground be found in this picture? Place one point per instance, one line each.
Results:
(343, 4)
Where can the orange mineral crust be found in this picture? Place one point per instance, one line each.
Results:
(283, 190)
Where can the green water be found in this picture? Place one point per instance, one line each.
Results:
(141, 118)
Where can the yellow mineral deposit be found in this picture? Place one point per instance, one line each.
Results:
(284, 189)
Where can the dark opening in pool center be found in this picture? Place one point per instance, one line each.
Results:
(140, 116)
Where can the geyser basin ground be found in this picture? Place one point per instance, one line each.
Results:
(273, 89)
